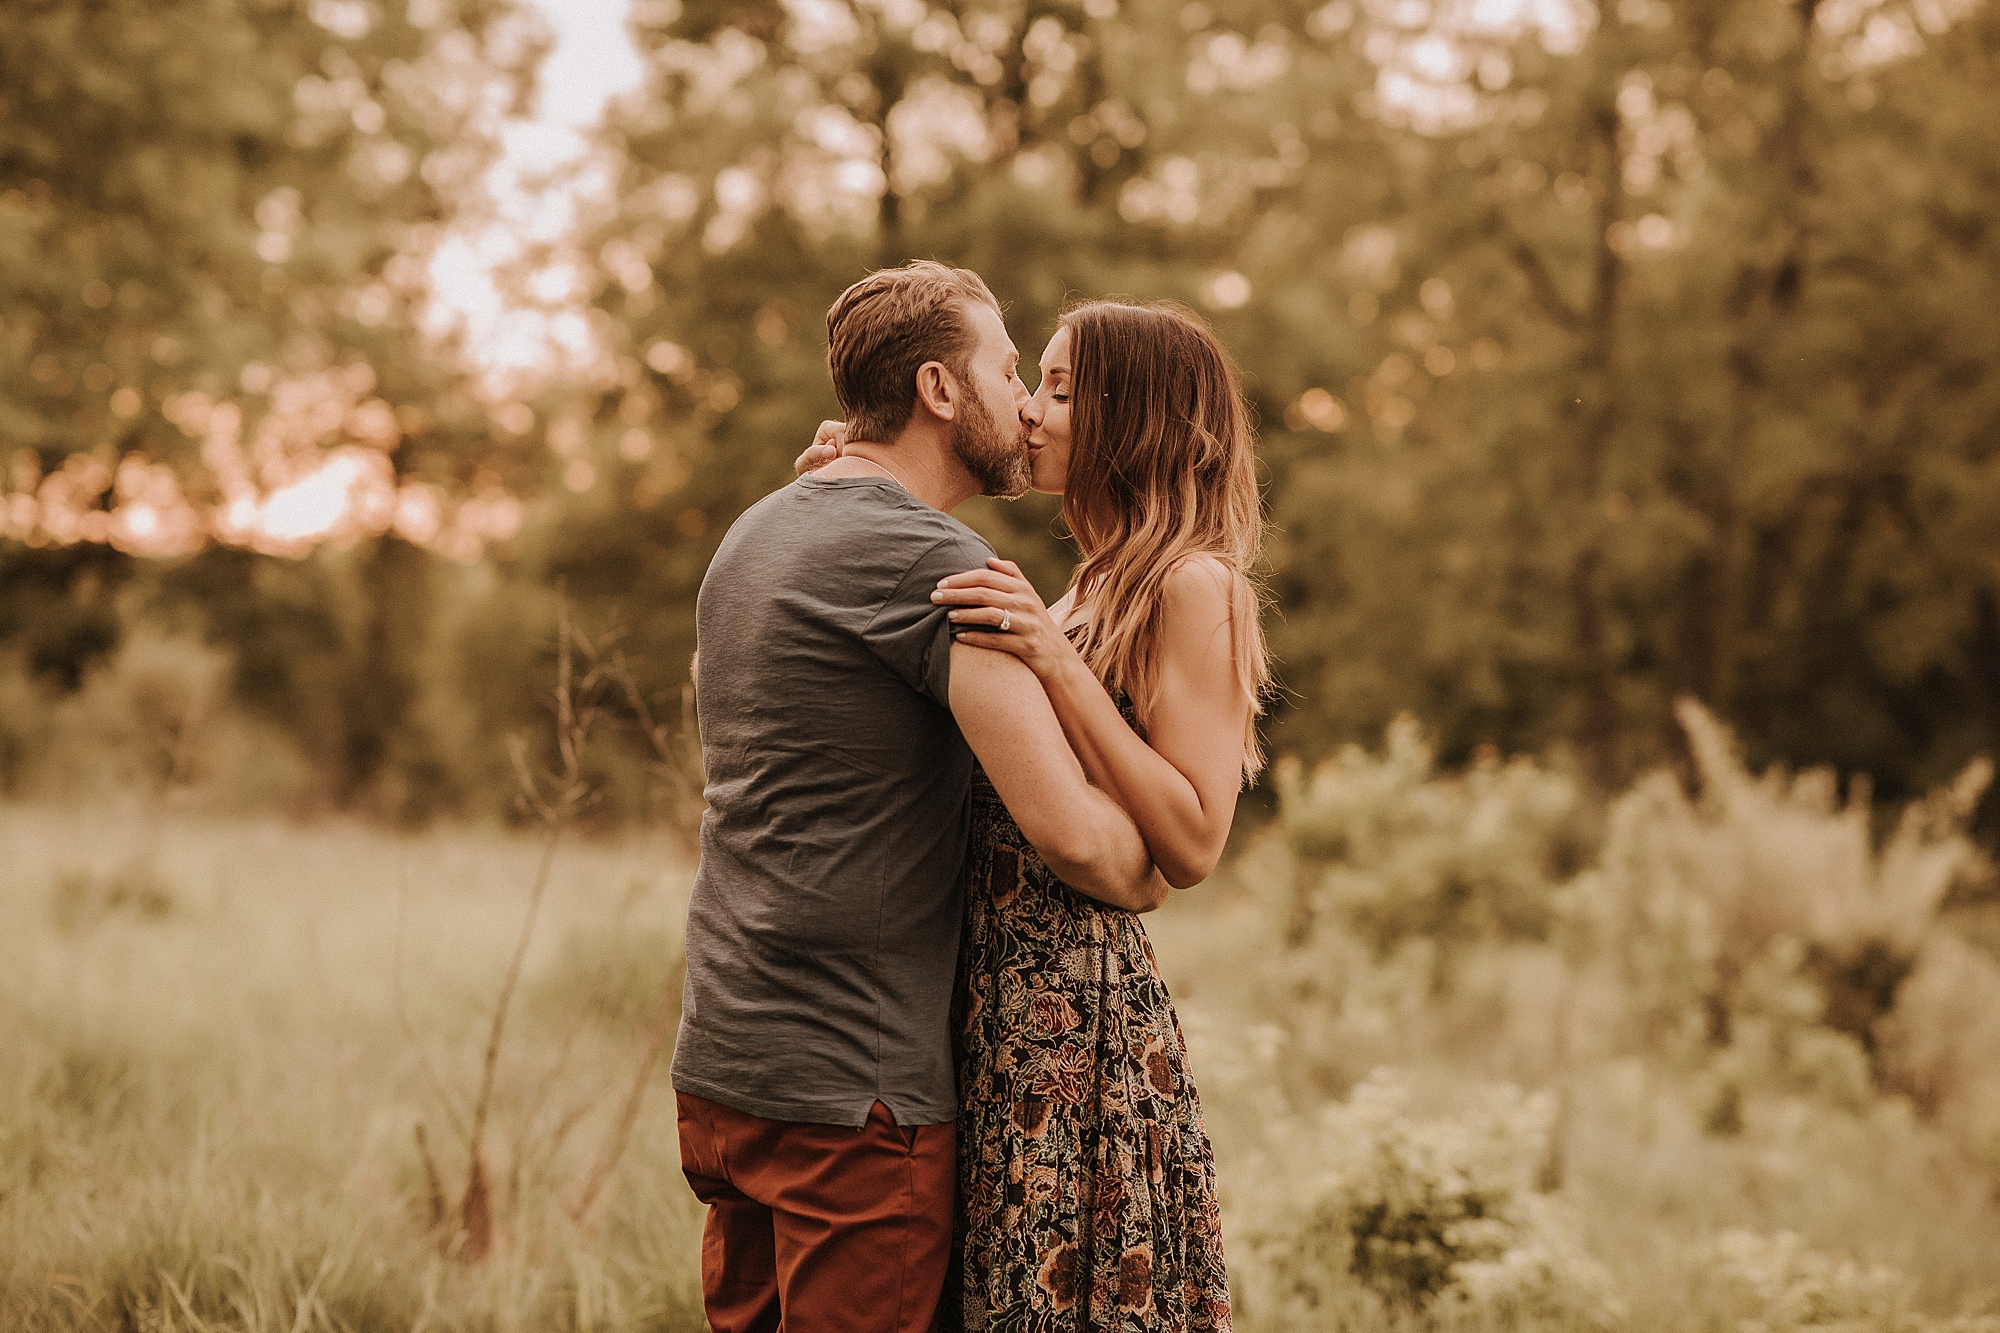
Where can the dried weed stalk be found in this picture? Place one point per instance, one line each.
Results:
(586, 671)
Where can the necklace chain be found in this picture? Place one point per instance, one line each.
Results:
(893, 474)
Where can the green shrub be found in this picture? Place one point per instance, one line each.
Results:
(157, 720)
(1392, 850)
(1755, 929)
(1413, 1214)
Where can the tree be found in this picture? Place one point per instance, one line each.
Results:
(213, 216)
(1539, 314)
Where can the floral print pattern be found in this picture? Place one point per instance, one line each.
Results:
(1087, 1198)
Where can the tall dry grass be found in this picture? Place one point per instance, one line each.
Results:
(1733, 1066)
(207, 1105)
(1463, 1067)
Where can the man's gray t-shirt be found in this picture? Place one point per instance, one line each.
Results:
(823, 931)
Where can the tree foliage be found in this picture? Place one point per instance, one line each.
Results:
(212, 219)
(1602, 353)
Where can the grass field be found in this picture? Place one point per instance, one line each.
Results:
(211, 1090)
(207, 1114)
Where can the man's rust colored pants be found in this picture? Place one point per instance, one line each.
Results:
(826, 1228)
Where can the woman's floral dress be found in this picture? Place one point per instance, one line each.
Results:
(1086, 1183)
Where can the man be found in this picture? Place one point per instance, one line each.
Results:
(839, 725)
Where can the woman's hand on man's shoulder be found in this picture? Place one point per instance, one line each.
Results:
(827, 443)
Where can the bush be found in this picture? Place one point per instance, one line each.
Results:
(156, 719)
(1785, 1286)
(23, 724)
(1392, 851)
(1753, 928)
(1418, 1214)
(1790, 1286)
(1943, 1044)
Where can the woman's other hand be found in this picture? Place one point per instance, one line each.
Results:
(1000, 595)
(827, 443)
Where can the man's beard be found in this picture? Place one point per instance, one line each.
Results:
(997, 460)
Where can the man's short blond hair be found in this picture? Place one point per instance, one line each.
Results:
(886, 326)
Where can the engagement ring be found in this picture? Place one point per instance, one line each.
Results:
(1006, 621)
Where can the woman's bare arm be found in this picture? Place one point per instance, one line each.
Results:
(1087, 840)
(1180, 782)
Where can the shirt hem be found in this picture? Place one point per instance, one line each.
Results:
(816, 1112)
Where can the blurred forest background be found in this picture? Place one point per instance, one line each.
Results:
(1628, 389)
(1600, 356)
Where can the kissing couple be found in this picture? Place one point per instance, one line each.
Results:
(928, 1075)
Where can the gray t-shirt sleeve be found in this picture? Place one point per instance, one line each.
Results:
(911, 634)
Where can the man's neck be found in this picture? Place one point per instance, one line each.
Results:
(931, 474)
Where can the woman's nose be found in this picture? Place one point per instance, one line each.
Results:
(1031, 411)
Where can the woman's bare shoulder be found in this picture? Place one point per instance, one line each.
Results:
(1199, 600)
(1200, 587)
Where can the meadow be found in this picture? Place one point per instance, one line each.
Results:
(1600, 353)
(217, 1067)
(1444, 1089)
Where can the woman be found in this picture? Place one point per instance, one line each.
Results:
(1086, 1182)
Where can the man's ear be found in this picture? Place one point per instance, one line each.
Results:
(937, 390)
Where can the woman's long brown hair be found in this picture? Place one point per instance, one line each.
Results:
(1160, 469)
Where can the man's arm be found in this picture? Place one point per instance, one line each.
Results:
(1087, 840)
